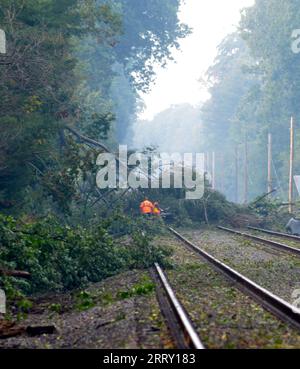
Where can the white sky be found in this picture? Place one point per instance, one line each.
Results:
(211, 21)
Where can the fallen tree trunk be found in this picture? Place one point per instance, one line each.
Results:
(264, 196)
(11, 329)
(15, 273)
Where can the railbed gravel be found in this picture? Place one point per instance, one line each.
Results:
(134, 322)
(223, 316)
(280, 239)
(275, 270)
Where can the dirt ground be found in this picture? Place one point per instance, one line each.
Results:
(123, 317)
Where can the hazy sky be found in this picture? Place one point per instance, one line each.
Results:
(211, 21)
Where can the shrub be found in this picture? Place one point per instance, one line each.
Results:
(60, 257)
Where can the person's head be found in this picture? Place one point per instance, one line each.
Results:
(146, 198)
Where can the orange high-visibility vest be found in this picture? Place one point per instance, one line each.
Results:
(156, 210)
(146, 207)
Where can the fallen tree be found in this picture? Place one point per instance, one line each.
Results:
(15, 273)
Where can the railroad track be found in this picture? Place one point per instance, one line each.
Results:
(278, 245)
(282, 309)
(280, 234)
(179, 323)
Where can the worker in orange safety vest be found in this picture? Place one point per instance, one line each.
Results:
(156, 209)
(146, 207)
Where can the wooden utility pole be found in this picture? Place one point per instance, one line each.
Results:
(206, 162)
(222, 176)
(291, 166)
(270, 183)
(237, 174)
(209, 167)
(246, 171)
(213, 170)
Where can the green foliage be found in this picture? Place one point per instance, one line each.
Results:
(23, 308)
(151, 29)
(84, 301)
(59, 257)
(181, 212)
(265, 207)
(143, 253)
(254, 84)
(38, 90)
(144, 288)
(75, 63)
(218, 208)
(230, 116)
(55, 308)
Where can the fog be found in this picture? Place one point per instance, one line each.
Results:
(177, 129)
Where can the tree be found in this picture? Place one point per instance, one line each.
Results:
(151, 29)
(74, 64)
(39, 88)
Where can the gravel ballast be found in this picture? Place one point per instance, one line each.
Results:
(120, 319)
(275, 270)
(224, 316)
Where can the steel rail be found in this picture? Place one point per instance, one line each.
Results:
(282, 309)
(275, 244)
(286, 235)
(189, 334)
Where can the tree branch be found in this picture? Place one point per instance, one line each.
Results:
(87, 139)
(15, 273)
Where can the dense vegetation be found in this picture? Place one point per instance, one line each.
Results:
(66, 61)
(255, 90)
(60, 257)
(69, 89)
(73, 72)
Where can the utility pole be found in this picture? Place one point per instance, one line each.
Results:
(292, 141)
(222, 187)
(270, 183)
(213, 170)
(246, 171)
(208, 163)
(237, 174)
(208, 167)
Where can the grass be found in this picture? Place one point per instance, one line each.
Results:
(141, 289)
